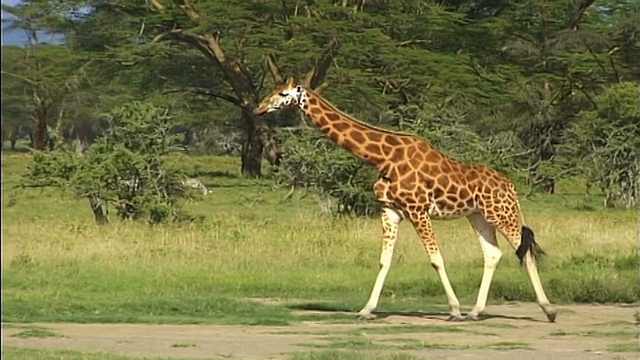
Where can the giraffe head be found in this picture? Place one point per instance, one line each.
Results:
(287, 94)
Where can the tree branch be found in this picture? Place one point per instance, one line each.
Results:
(581, 7)
(274, 70)
(475, 67)
(584, 92)
(207, 92)
(613, 65)
(188, 9)
(199, 42)
(157, 5)
(595, 57)
(317, 74)
(20, 77)
(214, 45)
(209, 45)
(411, 42)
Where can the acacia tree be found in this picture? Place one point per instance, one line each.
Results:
(47, 73)
(41, 78)
(15, 115)
(234, 37)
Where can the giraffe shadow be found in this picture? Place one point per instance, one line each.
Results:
(213, 174)
(444, 315)
(320, 307)
(382, 314)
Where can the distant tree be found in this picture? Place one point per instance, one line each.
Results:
(16, 117)
(39, 80)
(50, 73)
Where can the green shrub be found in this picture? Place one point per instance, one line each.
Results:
(124, 169)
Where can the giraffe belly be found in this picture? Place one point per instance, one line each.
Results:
(440, 213)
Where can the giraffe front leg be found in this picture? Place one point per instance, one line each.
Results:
(390, 221)
(422, 224)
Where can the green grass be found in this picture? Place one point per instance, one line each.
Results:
(18, 353)
(494, 325)
(508, 345)
(360, 343)
(624, 347)
(616, 323)
(58, 266)
(404, 329)
(350, 355)
(37, 332)
(621, 334)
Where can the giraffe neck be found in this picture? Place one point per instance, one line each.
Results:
(374, 145)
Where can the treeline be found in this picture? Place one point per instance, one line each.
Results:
(540, 89)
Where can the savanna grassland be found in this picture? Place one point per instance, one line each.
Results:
(256, 259)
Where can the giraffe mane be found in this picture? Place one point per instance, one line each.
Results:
(357, 121)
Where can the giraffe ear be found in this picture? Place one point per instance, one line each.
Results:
(290, 81)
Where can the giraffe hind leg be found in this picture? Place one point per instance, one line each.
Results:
(532, 252)
(523, 241)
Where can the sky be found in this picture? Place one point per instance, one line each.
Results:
(16, 36)
(11, 37)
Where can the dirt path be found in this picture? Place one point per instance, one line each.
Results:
(582, 332)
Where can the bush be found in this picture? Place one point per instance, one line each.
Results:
(314, 163)
(606, 142)
(124, 169)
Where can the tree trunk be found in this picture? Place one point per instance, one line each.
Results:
(39, 131)
(13, 137)
(98, 211)
(272, 149)
(251, 156)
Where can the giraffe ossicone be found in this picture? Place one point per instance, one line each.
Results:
(418, 183)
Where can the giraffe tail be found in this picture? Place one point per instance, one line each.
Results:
(528, 244)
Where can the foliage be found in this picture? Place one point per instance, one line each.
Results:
(44, 85)
(314, 163)
(513, 76)
(608, 144)
(124, 169)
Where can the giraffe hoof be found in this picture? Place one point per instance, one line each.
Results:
(455, 317)
(366, 316)
(551, 316)
(471, 317)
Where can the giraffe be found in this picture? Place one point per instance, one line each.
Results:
(419, 183)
